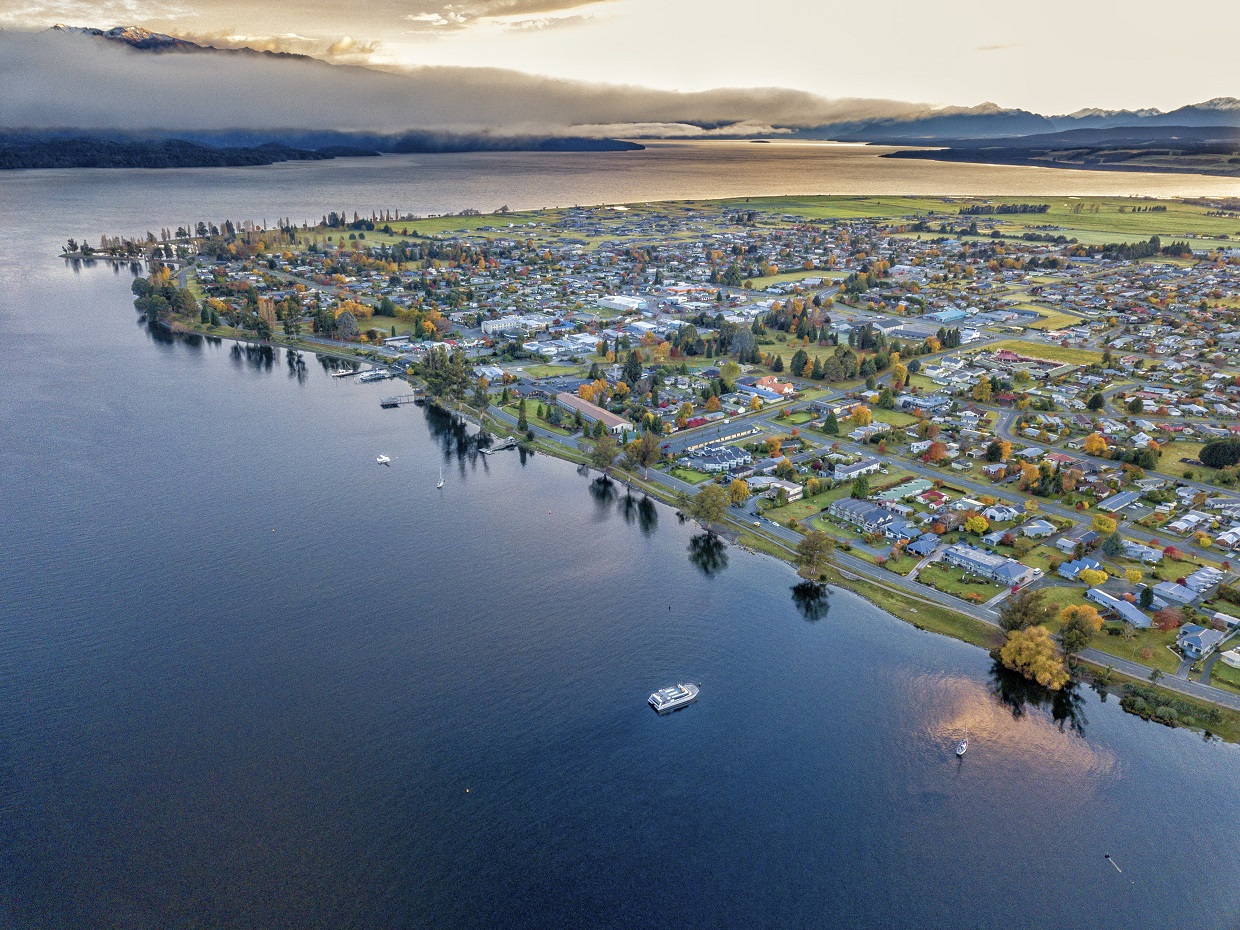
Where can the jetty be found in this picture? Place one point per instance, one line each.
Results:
(509, 443)
(387, 403)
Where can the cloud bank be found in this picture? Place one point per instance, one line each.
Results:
(58, 80)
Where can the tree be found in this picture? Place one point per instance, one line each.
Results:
(712, 404)
(1133, 576)
(1033, 653)
(1092, 577)
(1104, 524)
(831, 426)
(983, 391)
(523, 424)
(800, 358)
(603, 452)
(1094, 444)
(998, 450)
(861, 415)
(778, 364)
(976, 524)
(1169, 618)
(645, 451)
(709, 505)
(738, 491)
(632, 368)
(1024, 609)
(1096, 402)
(1146, 599)
(860, 488)
(813, 552)
(729, 372)
(1079, 623)
(1113, 546)
(1221, 453)
(1136, 405)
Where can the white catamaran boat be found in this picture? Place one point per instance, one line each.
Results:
(383, 460)
(963, 746)
(440, 485)
(677, 696)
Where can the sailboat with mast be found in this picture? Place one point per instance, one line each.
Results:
(440, 485)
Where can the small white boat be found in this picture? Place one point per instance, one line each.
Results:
(963, 746)
(677, 696)
(383, 460)
(440, 485)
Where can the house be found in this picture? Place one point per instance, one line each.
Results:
(867, 466)
(616, 425)
(775, 386)
(1000, 513)
(901, 530)
(923, 546)
(987, 565)
(1082, 536)
(1175, 593)
(1128, 613)
(794, 491)
(1037, 529)
(868, 517)
(1117, 502)
(994, 470)
(1070, 570)
(1139, 553)
(1197, 642)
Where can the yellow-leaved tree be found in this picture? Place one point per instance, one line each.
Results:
(1032, 653)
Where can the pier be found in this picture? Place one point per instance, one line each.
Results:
(398, 400)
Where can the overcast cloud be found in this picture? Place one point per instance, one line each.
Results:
(68, 80)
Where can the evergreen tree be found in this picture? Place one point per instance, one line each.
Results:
(522, 423)
(778, 364)
(832, 425)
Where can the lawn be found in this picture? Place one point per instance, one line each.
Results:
(693, 476)
(1169, 461)
(951, 581)
(806, 506)
(1156, 641)
(800, 418)
(897, 418)
(532, 417)
(1048, 351)
(1226, 677)
(553, 371)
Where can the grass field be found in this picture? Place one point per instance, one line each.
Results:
(531, 415)
(1169, 462)
(1049, 352)
(1225, 677)
(948, 580)
(693, 476)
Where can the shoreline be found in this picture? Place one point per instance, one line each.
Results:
(930, 617)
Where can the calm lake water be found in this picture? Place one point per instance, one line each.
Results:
(250, 679)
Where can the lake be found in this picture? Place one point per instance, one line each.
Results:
(251, 679)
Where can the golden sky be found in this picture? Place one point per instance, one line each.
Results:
(1054, 56)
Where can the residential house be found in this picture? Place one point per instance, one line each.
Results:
(868, 517)
(1197, 642)
(988, 565)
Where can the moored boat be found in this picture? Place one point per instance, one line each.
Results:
(666, 700)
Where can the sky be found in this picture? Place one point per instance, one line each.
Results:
(1055, 56)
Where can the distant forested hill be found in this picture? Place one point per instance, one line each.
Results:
(162, 153)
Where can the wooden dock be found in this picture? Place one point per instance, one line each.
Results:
(387, 403)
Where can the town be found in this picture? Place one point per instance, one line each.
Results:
(1024, 413)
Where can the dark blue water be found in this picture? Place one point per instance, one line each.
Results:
(250, 679)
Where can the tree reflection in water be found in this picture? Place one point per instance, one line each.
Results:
(641, 511)
(709, 553)
(812, 600)
(1017, 693)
